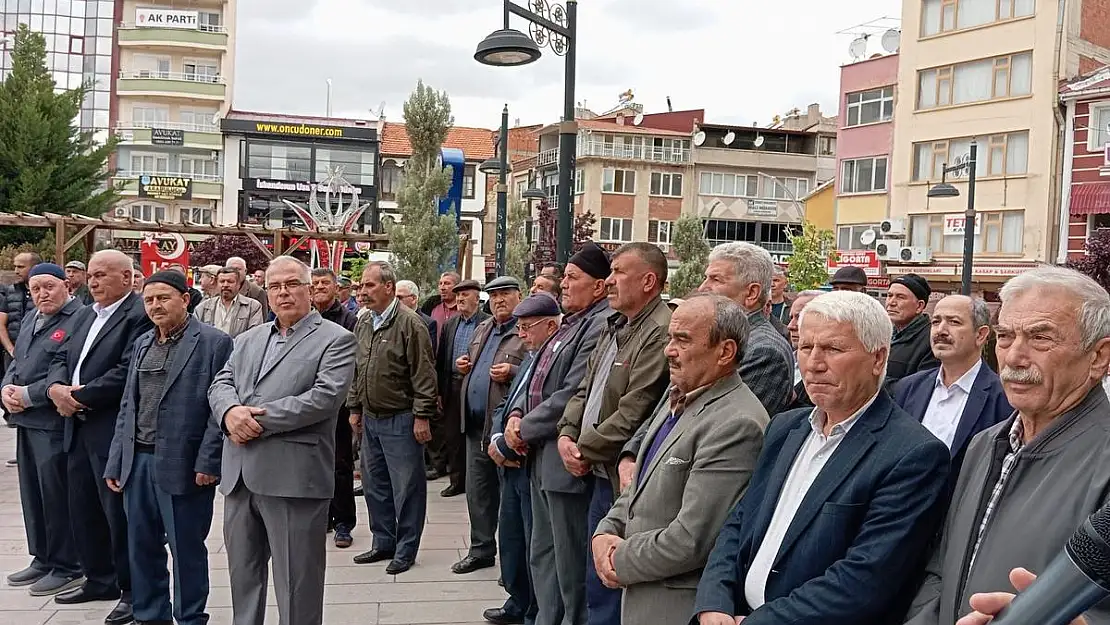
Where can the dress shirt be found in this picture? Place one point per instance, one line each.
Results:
(808, 464)
(103, 314)
(477, 386)
(1017, 443)
(226, 314)
(591, 414)
(386, 315)
(463, 333)
(275, 346)
(679, 401)
(797, 370)
(946, 406)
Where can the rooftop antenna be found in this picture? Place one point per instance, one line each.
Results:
(699, 138)
(639, 119)
(891, 40)
(670, 109)
(858, 48)
(729, 138)
(758, 141)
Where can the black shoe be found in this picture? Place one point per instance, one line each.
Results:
(84, 595)
(357, 492)
(397, 567)
(452, 491)
(153, 622)
(469, 564)
(433, 474)
(372, 556)
(498, 616)
(501, 581)
(120, 615)
(26, 577)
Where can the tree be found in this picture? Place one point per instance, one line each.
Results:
(216, 250)
(543, 248)
(47, 163)
(423, 241)
(584, 227)
(1096, 263)
(516, 243)
(808, 265)
(688, 243)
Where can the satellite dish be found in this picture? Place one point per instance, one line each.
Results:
(758, 141)
(699, 138)
(867, 237)
(639, 119)
(891, 40)
(858, 47)
(729, 138)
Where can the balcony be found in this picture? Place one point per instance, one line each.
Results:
(192, 86)
(205, 186)
(654, 154)
(773, 248)
(204, 37)
(547, 157)
(194, 135)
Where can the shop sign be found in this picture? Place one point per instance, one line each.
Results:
(878, 282)
(1001, 271)
(166, 188)
(763, 208)
(165, 18)
(954, 224)
(167, 136)
(296, 129)
(868, 260)
(296, 186)
(924, 270)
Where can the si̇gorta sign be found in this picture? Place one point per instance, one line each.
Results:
(165, 188)
(146, 17)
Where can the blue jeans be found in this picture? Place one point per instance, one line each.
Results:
(515, 533)
(603, 604)
(394, 484)
(155, 517)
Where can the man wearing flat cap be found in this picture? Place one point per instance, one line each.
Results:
(849, 279)
(491, 362)
(910, 350)
(452, 351)
(77, 279)
(560, 501)
(165, 455)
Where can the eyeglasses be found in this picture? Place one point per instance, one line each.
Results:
(285, 286)
(528, 326)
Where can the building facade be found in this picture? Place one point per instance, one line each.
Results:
(1085, 187)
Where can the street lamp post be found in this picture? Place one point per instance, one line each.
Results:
(943, 190)
(554, 26)
(500, 165)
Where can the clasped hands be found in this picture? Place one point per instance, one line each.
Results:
(500, 373)
(12, 397)
(242, 427)
(604, 548)
(575, 464)
(62, 396)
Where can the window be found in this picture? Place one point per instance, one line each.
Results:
(196, 215)
(468, 181)
(579, 182)
(198, 119)
(210, 22)
(148, 212)
(869, 107)
(616, 230)
(863, 175)
(149, 116)
(668, 185)
(786, 188)
(201, 71)
(618, 181)
(1098, 125)
(826, 146)
(848, 237)
(355, 166)
(279, 161)
(147, 66)
(975, 81)
(999, 232)
(998, 155)
(199, 168)
(941, 16)
(728, 185)
(391, 180)
(150, 163)
(659, 232)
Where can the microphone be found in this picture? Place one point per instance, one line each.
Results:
(1074, 582)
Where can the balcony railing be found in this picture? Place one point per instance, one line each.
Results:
(186, 126)
(774, 248)
(547, 157)
(204, 28)
(127, 173)
(158, 75)
(634, 152)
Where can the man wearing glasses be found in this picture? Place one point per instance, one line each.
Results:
(409, 295)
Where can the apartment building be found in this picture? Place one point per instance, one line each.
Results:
(1085, 186)
(988, 71)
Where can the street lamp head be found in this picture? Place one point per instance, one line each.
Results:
(507, 48)
(491, 166)
(533, 193)
(943, 190)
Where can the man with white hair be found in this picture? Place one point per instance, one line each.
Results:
(845, 498)
(801, 399)
(1028, 482)
(248, 288)
(778, 302)
(409, 295)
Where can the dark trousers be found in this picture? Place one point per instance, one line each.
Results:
(515, 532)
(483, 496)
(394, 484)
(342, 510)
(454, 441)
(43, 493)
(97, 519)
(602, 604)
(155, 517)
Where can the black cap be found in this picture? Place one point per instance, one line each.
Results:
(916, 284)
(538, 305)
(593, 260)
(172, 278)
(466, 285)
(849, 275)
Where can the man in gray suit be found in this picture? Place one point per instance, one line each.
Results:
(700, 451)
(560, 501)
(278, 408)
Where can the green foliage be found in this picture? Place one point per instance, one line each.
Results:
(1096, 262)
(688, 243)
(44, 248)
(585, 223)
(422, 240)
(355, 267)
(517, 252)
(47, 163)
(808, 265)
(216, 250)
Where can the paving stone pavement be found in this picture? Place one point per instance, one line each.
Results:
(428, 594)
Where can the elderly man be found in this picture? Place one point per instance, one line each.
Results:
(1054, 348)
(277, 400)
(86, 385)
(703, 446)
(449, 450)
(963, 396)
(392, 401)
(489, 365)
(910, 351)
(443, 307)
(409, 295)
(801, 399)
(253, 290)
(560, 501)
(545, 284)
(165, 455)
(626, 377)
(780, 305)
(537, 319)
(16, 304)
(39, 435)
(849, 279)
(845, 498)
(742, 272)
(232, 312)
(345, 296)
(78, 281)
(208, 275)
(137, 278)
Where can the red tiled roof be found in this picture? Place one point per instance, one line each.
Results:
(476, 143)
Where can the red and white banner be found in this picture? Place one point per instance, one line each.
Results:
(157, 252)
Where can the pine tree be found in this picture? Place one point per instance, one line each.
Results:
(47, 163)
(422, 241)
(688, 243)
(808, 265)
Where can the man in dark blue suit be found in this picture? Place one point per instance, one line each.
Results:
(86, 386)
(165, 456)
(963, 396)
(845, 498)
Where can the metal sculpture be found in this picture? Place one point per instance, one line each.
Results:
(339, 211)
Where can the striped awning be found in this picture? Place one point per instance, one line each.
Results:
(1090, 199)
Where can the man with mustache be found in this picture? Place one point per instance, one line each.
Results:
(231, 312)
(906, 300)
(1028, 482)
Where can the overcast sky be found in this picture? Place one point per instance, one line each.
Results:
(742, 61)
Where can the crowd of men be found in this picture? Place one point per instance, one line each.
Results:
(742, 454)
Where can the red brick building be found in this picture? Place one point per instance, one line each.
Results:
(1085, 192)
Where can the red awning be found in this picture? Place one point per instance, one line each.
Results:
(1090, 199)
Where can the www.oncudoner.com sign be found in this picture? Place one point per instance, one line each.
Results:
(293, 129)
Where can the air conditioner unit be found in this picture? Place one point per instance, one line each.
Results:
(892, 228)
(121, 211)
(915, 254)
(888, 249)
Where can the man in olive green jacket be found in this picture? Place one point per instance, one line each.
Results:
(627, 377)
